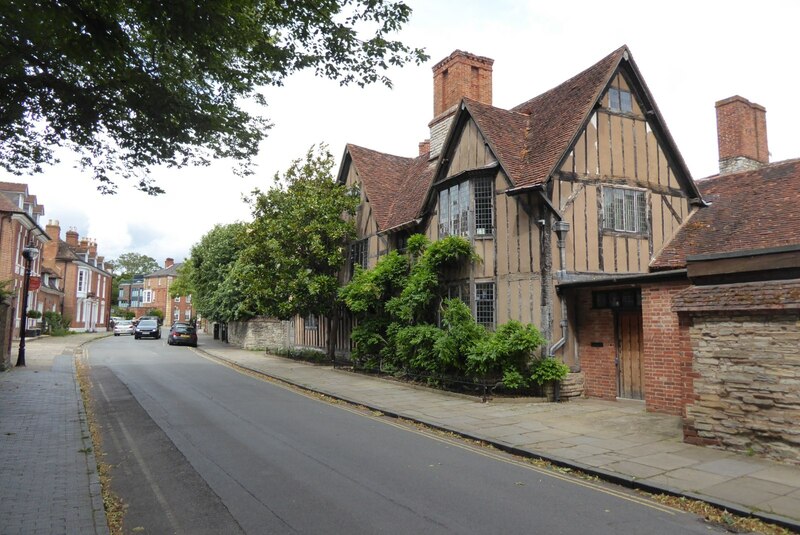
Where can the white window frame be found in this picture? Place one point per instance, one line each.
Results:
(83, 281)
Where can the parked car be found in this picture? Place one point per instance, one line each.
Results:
(147, 329)
(123, 327)
(182, 334)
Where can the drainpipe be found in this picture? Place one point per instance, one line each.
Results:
(561, 228)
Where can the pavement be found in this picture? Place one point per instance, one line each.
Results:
(48, 472)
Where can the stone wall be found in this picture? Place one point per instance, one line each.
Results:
(259, 333)
(746, 383)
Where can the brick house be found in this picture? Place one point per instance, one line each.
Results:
(20, 227)
(86, 278)
(156, 294)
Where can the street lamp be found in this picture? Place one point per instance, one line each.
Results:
(29, 253)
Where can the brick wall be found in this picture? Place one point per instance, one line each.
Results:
(461, 74)
(597, 362)
(741, 134)
(667, 354)
(259, 333)
(747, 383)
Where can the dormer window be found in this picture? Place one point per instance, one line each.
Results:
(620, 100)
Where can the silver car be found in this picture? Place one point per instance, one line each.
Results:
(123, 327)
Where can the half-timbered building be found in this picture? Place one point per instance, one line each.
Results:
(580, 183)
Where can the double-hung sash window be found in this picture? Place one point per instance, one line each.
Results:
(462, 210)
(83, 281)
(625, 210)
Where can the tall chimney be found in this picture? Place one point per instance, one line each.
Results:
(741, 134)
(72, 237)
(50, 249)
(93, 247)
(169, 262)
(459, 75)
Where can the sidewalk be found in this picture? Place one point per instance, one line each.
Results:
(617, 441)
(48, 474)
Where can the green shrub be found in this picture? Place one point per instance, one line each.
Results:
(34, 314)
(461, 333)
(415, 348)
(505, 354)
(548, 369)
(55, 324)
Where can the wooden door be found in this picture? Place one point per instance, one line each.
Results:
(629, 354)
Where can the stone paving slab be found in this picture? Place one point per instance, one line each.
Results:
(47, 467)
(615, 440)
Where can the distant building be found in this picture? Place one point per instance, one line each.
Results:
(87, 278)
(156, 294)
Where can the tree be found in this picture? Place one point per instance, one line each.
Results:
(207, 275)
(130, 85)
(182, 285)
(130, 264)
(297, 241)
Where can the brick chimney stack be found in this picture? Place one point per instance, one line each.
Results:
(424, 147)
(459, 75)
(72, 237)
(169, 262)
(741, 134)
(50, 249)
(93, 247)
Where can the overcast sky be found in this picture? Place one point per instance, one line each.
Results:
(691, 54)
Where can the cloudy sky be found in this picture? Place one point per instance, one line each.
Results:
(691, 54)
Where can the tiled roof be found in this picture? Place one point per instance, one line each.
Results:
(6, 205)
(528, 140)
(749, 210)
(395, 186)
(505, 131)
(556, 117)
(753, 296)
(164, 272)
(14, 186)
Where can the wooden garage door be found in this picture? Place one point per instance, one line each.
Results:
(629, 356)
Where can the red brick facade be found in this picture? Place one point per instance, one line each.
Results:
(459, 75)
(742, 130)
(666, 352)
(597, 347)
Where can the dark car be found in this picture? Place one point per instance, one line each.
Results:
(156, 318)
(147, 329)
(182, 334)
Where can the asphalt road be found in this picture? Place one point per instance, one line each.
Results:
(197, 447)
